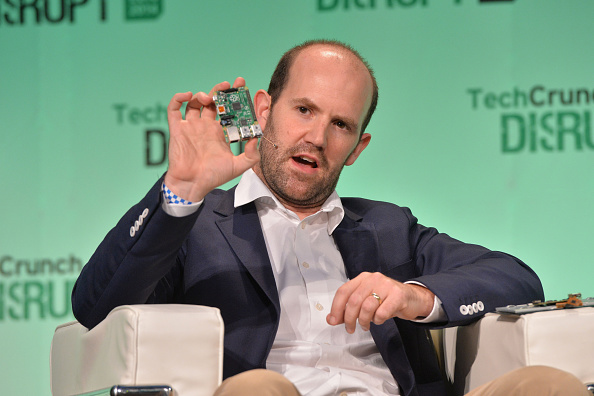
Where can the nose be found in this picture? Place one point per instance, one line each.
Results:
(317, 134)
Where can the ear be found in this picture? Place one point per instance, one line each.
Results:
(363, 142)
(262, 102)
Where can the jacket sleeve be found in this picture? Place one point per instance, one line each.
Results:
(470, 280)
(136, 263)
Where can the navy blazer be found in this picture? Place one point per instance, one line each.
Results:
(217, 257)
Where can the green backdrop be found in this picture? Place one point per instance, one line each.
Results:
(484, 127)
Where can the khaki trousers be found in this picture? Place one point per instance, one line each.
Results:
(527, 381)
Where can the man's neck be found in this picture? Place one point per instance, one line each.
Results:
(302, 213)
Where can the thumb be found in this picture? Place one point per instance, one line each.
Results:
(249, 157)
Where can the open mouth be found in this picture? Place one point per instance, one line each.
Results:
(306, 161)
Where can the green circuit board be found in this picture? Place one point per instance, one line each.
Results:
(236, 114)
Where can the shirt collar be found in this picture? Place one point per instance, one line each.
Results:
(251, 188)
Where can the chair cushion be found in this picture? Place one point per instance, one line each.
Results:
(176, 345)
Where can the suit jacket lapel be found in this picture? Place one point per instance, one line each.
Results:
(241, 227)
(358, 244)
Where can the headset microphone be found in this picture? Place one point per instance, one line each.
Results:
(269, 141)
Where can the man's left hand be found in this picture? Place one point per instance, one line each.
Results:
(355, 300)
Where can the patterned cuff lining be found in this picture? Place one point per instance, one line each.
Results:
(172, 198)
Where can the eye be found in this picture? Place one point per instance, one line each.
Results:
(302, 109)
(341, 125)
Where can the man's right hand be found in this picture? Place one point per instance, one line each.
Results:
(200, 158)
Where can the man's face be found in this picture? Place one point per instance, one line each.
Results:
(316, 123)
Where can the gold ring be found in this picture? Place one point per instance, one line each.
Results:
(378, 298)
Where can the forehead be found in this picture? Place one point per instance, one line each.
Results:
(333, 77)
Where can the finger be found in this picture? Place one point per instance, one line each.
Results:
(197, 103)
(348, 300)
(252, 154)
(209, 110)
(367, 313)
(384, 312)
(247, 159)
(173, 114)
(354, 307)
(336, 315)
(239, 82)
(219, 87)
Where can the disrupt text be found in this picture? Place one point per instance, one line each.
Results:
(547, 131)
(35, 299)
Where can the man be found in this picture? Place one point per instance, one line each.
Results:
(284, 258)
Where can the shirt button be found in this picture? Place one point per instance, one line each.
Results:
(343, 394)
(305, 264)
(319, 306)
(303, 225)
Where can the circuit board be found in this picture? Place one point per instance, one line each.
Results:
(538, 306)
(236, 114)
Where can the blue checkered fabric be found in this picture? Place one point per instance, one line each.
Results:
(172, 198)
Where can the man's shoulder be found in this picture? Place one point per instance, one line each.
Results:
(353, 203)
(369, 209)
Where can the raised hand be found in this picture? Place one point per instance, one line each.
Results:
(200, 158)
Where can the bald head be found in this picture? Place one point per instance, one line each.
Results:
(332, 50)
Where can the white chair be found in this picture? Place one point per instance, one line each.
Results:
(500, 343)
(176, 345)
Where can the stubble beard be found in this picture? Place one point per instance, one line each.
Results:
(273, 161)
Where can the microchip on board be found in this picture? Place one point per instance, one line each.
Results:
(237, 115)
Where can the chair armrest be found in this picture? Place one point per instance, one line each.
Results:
(177, 345)
(497, 344)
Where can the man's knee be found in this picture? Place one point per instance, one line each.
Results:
(257, 382)
(534, 380)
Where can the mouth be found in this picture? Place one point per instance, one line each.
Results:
(305, 161)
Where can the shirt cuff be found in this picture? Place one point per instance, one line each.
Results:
(177, 207)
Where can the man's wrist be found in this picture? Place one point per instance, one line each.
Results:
(172, 198)
(426, 300)
(437, 314)
(176, 206)
(186, 190)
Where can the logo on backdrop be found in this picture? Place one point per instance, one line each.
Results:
(36, 288)
(70, 11)
(151, 121)
(345, 5)
(539, 118)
